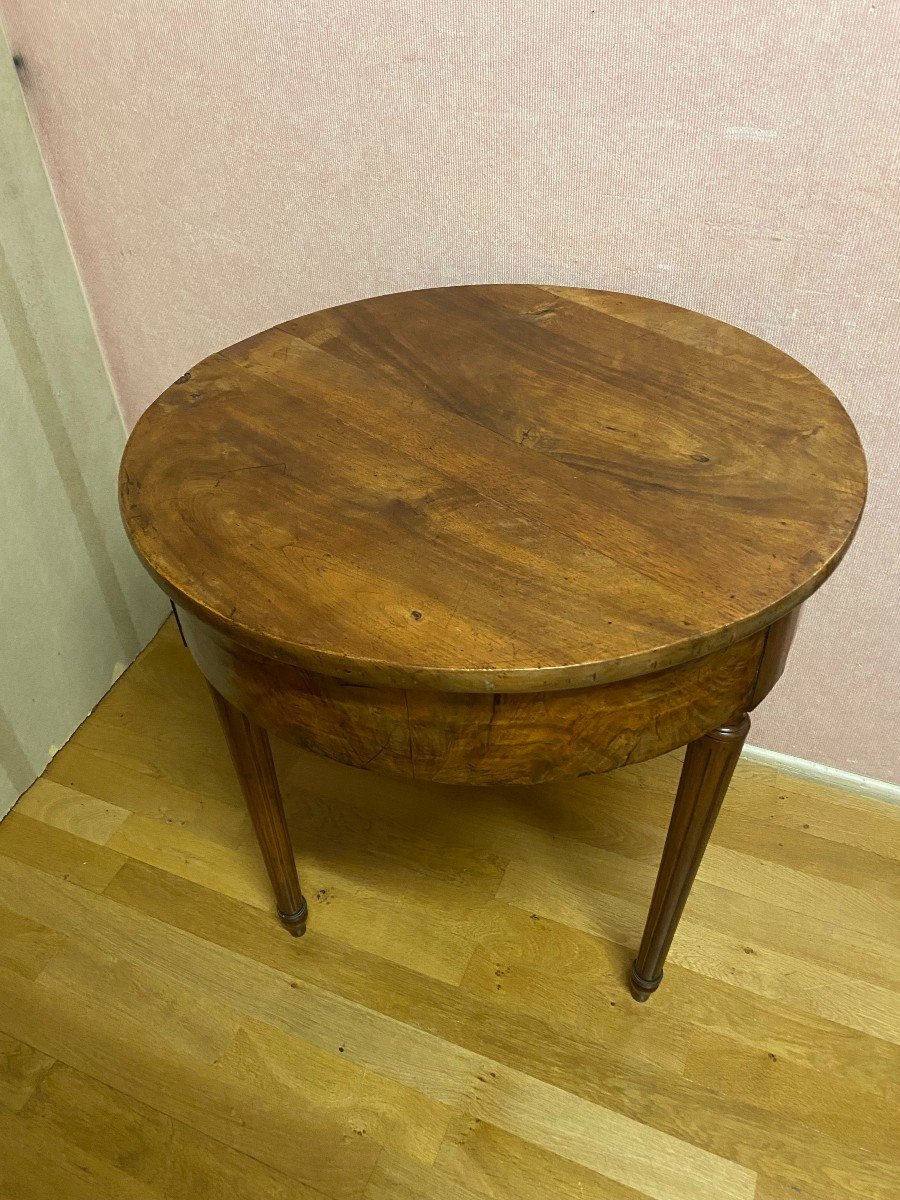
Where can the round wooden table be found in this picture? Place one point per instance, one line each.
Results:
(496, 534)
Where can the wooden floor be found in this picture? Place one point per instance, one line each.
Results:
(456, 1024)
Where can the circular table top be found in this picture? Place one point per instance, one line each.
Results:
(498, 487)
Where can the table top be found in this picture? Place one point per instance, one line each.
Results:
(506, 488)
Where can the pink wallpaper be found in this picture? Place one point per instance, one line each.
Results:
(222, 166)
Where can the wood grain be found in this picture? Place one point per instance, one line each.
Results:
(709, 764)
(484, 738)
(164, 1039)
(21, 1070)
(74, 812)
(251, 754)
(169, 1157)
(497, 488)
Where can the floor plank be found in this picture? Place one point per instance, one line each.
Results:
(502, 1166)
(122, 1051)
(26, 945)
(57, 851)
(21, 1070)
(166, 1155)
(73, 811)
(36, 1164)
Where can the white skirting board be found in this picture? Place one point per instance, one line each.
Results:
(831, 776)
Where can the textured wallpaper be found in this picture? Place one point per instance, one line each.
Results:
(76, 605)
(222, 166)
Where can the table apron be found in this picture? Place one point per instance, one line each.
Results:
(493, 738)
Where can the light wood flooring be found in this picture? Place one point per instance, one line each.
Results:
(455, 1025)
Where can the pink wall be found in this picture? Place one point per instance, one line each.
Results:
(223, 166)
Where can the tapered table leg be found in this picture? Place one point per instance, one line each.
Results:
(708, 766)
(252, 758)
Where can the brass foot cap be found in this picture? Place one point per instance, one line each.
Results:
(642, 989)
(295, 923)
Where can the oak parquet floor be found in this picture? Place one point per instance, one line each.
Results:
(455, 1025)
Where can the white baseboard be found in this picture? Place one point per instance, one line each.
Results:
(831, 776)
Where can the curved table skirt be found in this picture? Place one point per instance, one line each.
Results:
(493, 738)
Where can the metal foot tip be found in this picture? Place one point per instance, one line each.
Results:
(640, 988)
(295, 923)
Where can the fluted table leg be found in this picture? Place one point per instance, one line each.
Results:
(708, 767)
(252, 758)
